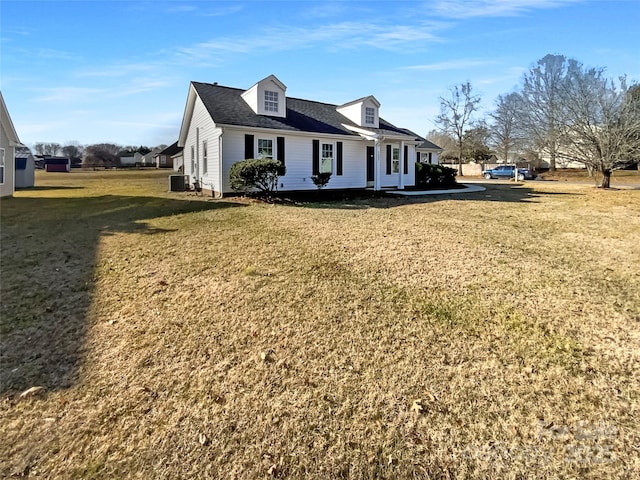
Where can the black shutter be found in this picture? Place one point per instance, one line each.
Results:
(388, 159)
(248, 146)
(280, 149)
(417, 157)
(339, 158)
(406, 159)
(315, 166)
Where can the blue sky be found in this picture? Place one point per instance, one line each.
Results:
(119, 71)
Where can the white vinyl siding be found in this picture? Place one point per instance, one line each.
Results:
(391, 180)
(299, 156)
(202, 130)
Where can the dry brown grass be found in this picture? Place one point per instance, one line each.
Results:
(489, 335)
(618, 178)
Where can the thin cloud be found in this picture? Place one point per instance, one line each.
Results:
(341, 34)
(67, 95)
(224, 11)
(118, 70)
(461, 64)
(492, 8)
(140, 86)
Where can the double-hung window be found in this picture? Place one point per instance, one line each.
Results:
(326, 160)
(204, 157)
(270, 101)
(369, 116)
(1, 165)
(193, 159)
(395, 160)
(265, 148)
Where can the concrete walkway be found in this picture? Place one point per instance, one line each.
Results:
(469, 189)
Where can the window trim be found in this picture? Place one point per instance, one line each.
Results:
(322, 157)
(395, 161)
(271, 101)
(205, 162)
(193, 159)
(367, 116)
(2, 166)
(273, 147)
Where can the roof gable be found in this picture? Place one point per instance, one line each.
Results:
(274, 89)
(363, 111)
(7, 125)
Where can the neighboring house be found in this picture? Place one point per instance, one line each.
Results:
(148, 159)
(224, 125)
(428, 152)
(165, 158)
(57, 164)
(8, 142)
(131, 161)
(25, 168)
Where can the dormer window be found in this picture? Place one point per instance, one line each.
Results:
(363, 112)
(267, 97)
(369, 116)
(270, 101)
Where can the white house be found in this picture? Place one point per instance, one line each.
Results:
(8, 142)
(132, 160)
(428, 152)
(224, 125)
(165, 158)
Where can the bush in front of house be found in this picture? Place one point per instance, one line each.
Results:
(435, 176)
(320, 180)
(256, 174)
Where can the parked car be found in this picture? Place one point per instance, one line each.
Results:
(507, 171)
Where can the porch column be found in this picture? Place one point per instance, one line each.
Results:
(401, 167)
(376, 165)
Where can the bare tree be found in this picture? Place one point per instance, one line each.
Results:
(444, 141)
(39, 148)
(543, 113)
(51, 149)
(505, 134)
(476, 142)
(101, 155)
(72, 151)
(456, 115)
(603, 127)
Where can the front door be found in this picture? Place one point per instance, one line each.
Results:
(370, 166)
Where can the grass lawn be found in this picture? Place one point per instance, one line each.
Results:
(485, 335)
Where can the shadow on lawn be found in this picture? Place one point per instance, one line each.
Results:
(362, 200)
(49, 250)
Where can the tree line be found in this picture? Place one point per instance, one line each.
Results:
(562, 110)
(95, 155)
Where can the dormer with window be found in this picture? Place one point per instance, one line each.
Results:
(363, 112)
(267, 97)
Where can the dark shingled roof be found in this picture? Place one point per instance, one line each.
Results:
(170, 150)
(428, 144)
(226, 106)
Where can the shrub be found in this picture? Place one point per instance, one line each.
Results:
(260, 174)
(320, 180)
(435, 176)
